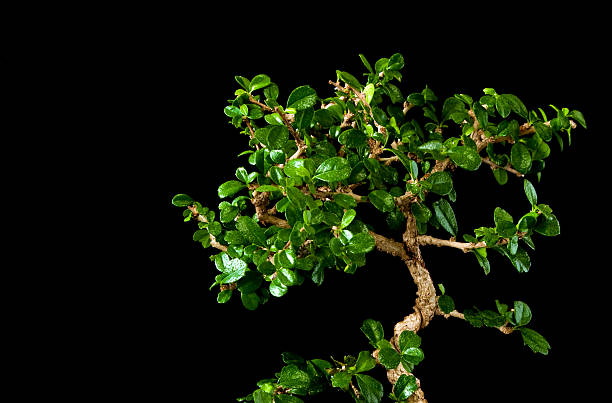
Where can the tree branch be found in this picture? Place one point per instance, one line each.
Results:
(508, 167)
(213, 241)
(505, 329)
(463, 246)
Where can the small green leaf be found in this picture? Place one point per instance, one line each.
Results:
(382, 200)
(535, 341)
(405, 386)
(371, 389)
(389, 358)
(182, 200)
(341, 380)
(517, 105)
(250, 301)
(361, 243)
(347, 218)
(293, 377)
(261, 396)
(224, 296)
(409, 339)
(277, 136)
(230, 188)
(251, 230)
(302, 98)
(522, 313)
(465, 157)
(413, 355)
(530, 191)
(504, 224)
(349, 79)
(365, 362)
(258, 82)
(369, 92)
(578, 117)
(445, 215)
(548, 225)
(233, 271)
(441, 183)
(373, 331)
(503, 106)
(446, 303)
(333, 169)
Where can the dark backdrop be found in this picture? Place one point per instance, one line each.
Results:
(178, 343)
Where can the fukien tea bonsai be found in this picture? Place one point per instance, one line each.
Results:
(294, 211)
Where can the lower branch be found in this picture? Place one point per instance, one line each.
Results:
(505, 329)
(213, 242)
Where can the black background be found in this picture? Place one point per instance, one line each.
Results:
(174, 75)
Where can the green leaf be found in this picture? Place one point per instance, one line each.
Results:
(535, 341)
(299, 168)
(446, 303)
(413, 355)
(250, 301)
(361, 243)
(366, 63)
(230, 188)
(409, 339)
(293, 377)
(369, 92)
(405, 387)
(333, 169)
(258, 82)
(228, 213)
(544, 131)
(303, 118)
(407, 162)
(389, 358)
(548, 225)
(260, 396)
(371, 389)
(277, 136)
(504, 224)
(345, 201)
(522, 313)
(396, 62)
(182, 200)
(365, 362)
(530, 191)
(441, 183)
(224, 296)
(296, 197)
(233, 271)
(517, 105)
(243, 81)
(481, 257)
(349, 79)
(302, 98)
(251, 231)
(373, 331)
(503, 105)
(451, 105)
(445, 215)
(382, 200)
(353, 138)
(347, 218)
(341, 380)
(481, 115)
(277, 288)
(465, 157)
(578, 117)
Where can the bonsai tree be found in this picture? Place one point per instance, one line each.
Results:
(318, 164)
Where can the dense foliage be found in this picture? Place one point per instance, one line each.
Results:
(292, 211)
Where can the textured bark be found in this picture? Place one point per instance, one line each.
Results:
(426, 292)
